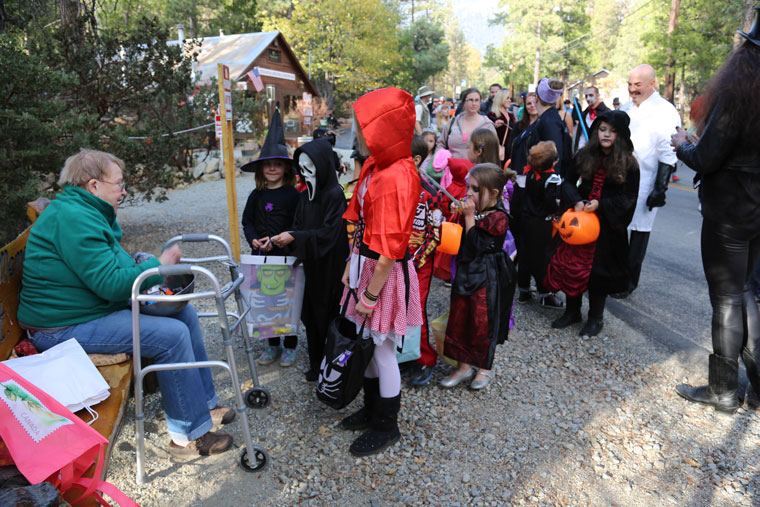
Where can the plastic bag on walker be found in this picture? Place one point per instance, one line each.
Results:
(273, 288)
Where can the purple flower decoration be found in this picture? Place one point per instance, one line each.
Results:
(269, 206)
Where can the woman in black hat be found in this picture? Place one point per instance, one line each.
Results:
(727, 159)
(609, 186)
(270, 210)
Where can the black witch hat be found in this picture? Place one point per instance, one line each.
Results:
(274, 145)
(754, 33)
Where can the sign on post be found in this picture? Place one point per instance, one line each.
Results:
(218, 125)
(227, 92)
(225, 97)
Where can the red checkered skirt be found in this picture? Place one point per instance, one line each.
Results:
(391, 317)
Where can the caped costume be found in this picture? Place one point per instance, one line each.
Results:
(384, 205)
(482, 292)
(320, 243)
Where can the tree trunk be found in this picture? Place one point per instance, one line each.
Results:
(537, 63)
(682, 94)
(69, 11)
(670, 65)
(749, 11)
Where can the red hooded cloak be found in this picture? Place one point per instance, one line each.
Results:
(387, 117)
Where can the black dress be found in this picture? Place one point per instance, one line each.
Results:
(609, 269)
(482, 292)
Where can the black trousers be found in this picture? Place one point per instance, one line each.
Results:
(638, 249)
(596, 302)
(729, 255)
(535, 241)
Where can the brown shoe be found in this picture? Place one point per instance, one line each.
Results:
(210, 443)
(222, 415)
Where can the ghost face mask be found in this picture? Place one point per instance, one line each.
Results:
(309, 174)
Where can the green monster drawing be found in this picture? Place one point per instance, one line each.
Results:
(273, 279)
(14, 392)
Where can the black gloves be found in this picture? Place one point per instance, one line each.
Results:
(657, 198)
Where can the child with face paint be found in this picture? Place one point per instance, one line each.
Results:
(609, 186)
(269, 211)
(484, 284)
(319, 240)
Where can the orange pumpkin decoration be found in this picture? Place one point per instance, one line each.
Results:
(578, 227)
(451, 238)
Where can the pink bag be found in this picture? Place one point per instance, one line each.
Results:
(48, 442)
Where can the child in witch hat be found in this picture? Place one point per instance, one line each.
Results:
(268, 212)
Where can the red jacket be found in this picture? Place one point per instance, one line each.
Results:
(459, 167)
(386, 118)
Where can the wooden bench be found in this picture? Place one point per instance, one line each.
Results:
(118, 376)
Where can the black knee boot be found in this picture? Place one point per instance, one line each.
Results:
(572, 313)
(751, 395)
(723, 381)
(383, 431)
(361, 419)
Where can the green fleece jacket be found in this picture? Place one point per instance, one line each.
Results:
(75, 270)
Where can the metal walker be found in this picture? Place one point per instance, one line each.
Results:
(252, 458)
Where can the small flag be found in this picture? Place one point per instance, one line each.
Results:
(256, 79)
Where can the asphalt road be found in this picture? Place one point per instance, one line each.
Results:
(671, 304)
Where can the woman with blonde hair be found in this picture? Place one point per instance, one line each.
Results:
(503, 121)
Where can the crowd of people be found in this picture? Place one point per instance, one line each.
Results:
(550, 201)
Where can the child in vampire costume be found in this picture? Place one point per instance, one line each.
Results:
(319, 240)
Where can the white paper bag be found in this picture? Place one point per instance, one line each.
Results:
(65, 373)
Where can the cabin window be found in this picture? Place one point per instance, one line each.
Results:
(275, 55)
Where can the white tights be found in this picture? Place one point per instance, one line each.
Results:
(385, 366)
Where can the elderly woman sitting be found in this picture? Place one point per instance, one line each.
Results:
(77, 282)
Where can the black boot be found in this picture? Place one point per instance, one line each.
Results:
(360, 420)
(568, 318)
(751, 398)
(592, 328)
(723, 381)
(384, 430)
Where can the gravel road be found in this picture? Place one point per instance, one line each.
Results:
(567, 420)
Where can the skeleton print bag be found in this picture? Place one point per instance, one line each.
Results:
(347, 354)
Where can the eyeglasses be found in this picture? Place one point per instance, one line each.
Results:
(121, 185)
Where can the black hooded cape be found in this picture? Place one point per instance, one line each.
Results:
(321, 244)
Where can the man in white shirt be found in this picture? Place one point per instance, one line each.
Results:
(653, 121)
(421, 109)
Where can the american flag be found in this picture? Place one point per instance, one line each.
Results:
(256, 79)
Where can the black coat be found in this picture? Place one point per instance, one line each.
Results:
(321, 242)
(729, 166)
(609, 270)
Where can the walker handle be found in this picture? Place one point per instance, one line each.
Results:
(194, 238)
(175, 270)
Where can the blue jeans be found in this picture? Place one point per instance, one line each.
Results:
(175, 339)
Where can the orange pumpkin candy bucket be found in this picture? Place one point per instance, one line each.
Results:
(577, 227)
(451, 238)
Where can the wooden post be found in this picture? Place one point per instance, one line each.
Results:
(225, 110)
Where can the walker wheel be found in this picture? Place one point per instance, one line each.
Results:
(261, 459)
(257, 397)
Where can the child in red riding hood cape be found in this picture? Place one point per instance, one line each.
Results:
(380, 270)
